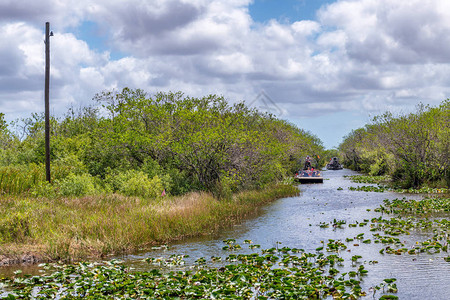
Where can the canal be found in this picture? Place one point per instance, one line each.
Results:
(294, 222)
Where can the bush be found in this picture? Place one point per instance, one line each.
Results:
(77, 185)
(43, 189)
(66, 165)
(413, 148)
(177, 182)
(271, 173)
(135, 183)
(151, 168)
(223, 188)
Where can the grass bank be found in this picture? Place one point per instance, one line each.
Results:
(41, 229)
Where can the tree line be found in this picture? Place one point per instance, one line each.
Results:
(414, 149)
(141, 145)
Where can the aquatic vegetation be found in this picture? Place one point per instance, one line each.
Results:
(398, 219)
(409, 215)
(388, 297)
(254, 246)
(427, 205)
(271, 274)
(338, 223)
(324, 225)
(335, 224)
(369, 188)
(368, 179)
(423, 190)
(335, 245)
(388, 285)
(173, 260)
(384, 185)
(382, 188)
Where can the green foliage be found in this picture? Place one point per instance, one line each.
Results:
(369, 179)
(224, 188)
(66, 165)
(179, 182)
(19, 179)
(135, 183)
(414, 149)
(140, 145)
(77, 185)
(43, 189)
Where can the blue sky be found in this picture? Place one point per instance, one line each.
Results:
(327, 66)
(285, 10)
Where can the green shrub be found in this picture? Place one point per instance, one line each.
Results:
(151, 168)
(223, 188)
(177, 182)
(271, 173)
(77, 185)
(66, 165)
(135, 183)
(43, 189)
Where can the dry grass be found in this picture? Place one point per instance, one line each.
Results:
(97, 226)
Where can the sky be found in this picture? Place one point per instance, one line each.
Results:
(326, 66)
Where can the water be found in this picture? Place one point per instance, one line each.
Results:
(293, 222)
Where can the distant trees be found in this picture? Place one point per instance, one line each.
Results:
(133, 143)
(413, 148)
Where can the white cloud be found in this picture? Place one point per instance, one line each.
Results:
(306, 27)
(19, 64)
(403, 31)
(359, 55)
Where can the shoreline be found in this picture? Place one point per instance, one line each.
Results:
(96, 227)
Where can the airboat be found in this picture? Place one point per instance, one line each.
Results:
(334, 164)
(309, 176)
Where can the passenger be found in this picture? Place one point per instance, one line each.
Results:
(307, 163)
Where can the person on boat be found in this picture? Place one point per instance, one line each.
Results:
(307, 163)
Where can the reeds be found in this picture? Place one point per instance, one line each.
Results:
(96, 226)
(15, 180)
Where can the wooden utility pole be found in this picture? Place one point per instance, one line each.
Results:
(47, 101)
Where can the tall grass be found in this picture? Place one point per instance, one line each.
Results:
(95, 226)
(19, 179)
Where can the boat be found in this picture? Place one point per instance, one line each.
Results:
(334, 164)
(309, 176)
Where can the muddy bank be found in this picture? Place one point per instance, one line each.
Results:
(23, 259)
